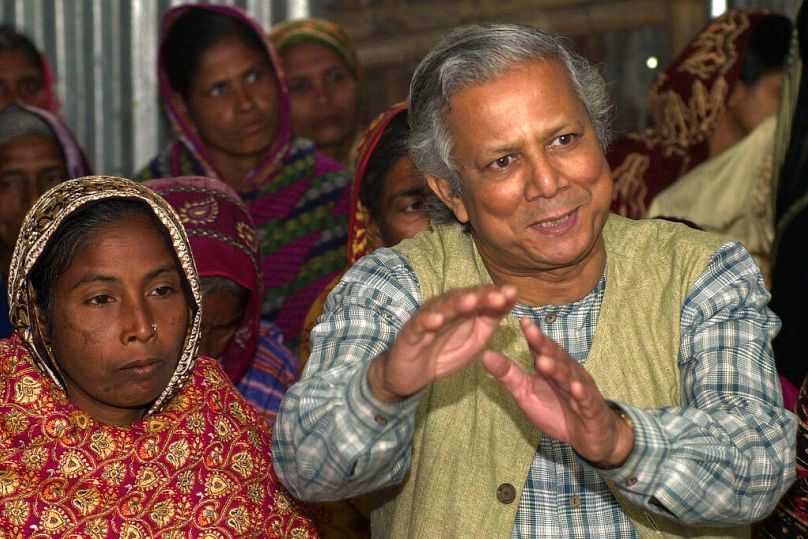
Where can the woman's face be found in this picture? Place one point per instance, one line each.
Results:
(119, 321)
(402, 210)
(323, 95)
(21, 81)
(29, 166)
(222, 312)
(233, 100)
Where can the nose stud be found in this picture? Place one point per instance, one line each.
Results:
(154, 328)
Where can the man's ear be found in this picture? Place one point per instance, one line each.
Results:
(443, 189)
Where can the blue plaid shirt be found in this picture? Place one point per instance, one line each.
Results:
(725, 456)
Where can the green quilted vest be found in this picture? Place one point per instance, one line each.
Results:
(471, 438)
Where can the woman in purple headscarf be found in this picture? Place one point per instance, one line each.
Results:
(225, 94)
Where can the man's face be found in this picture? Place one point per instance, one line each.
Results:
(536, 187)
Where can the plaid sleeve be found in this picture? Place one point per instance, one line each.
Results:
(727, 454)
(332, 438)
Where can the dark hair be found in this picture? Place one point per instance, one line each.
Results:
(768, 48)
(191, 36)
(392, 145)
(76, 232)
(13, 41)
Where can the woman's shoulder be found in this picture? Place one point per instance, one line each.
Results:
(22, 383)
(304, 150)
(173, 160)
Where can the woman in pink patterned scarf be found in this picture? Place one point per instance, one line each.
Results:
(225, 250)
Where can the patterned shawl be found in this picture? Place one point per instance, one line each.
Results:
(298, 198)
(686, 101)
(198, 463)
(223, 243)
(288, 33)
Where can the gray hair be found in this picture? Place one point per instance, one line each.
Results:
(471, 56)
(223, 284)
(16, 122)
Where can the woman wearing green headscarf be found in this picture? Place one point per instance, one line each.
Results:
(325, 84)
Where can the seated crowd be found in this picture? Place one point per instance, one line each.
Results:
(459, 321)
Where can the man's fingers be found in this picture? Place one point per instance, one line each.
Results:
(503, 369)
(463, 302)
(539, 343)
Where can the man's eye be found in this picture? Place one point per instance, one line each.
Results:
(564, 140)
(502, 162)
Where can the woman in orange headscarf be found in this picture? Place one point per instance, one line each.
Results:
(387, 198)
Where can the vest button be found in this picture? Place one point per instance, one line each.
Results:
(549, 318)
(506, 493)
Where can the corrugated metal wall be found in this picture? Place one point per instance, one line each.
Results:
(103, 56)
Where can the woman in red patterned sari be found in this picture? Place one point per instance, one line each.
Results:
(112, 426)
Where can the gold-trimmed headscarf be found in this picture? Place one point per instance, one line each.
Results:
(357, 228)
(686, 101)
(42, 222)
(286, 34)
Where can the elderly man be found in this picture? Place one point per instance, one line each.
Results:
(535, 367)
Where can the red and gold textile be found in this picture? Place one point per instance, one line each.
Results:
(686, 101)
(200, 468)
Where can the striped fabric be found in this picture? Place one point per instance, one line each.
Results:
(272, 372)
(301, 219)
